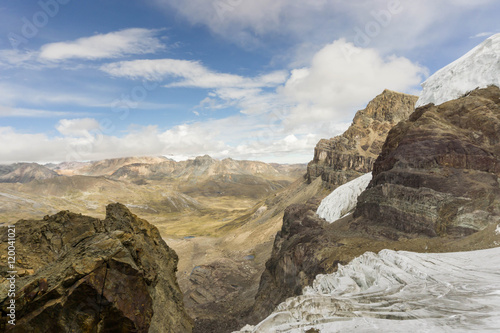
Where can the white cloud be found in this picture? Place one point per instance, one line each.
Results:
(77, 127)
(315, 22)
(341, 79)
(282, 115)
(8, 111)
(188, 74)
(111, 45)
(16, 58)
(482, 34)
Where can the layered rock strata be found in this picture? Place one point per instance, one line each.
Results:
(348, 156)
(438, 173)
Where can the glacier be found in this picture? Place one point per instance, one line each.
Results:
(479, 68)
(343, 199)
(397, 291)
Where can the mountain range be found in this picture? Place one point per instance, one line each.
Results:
(259, 247)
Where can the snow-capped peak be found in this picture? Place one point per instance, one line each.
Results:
(479, 68)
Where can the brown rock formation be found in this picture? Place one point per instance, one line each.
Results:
(347, 156)
(438, 172)
(436, 188)
(294, 262)
(82, 274)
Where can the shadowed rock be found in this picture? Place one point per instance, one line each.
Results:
(81, 274)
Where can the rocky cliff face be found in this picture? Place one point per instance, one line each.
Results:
(436, 188)
(82, 274)
(345, 157)
(294, 262)
(438, 172)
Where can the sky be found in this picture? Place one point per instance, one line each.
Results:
(247, 79)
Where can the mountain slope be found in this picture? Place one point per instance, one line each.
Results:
(479, 68)
(103, 167)
(24, 173)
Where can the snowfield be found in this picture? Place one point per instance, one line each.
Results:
(479, 68)
(343, 199)
(398, 291)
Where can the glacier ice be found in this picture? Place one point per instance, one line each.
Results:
(479, 68)
(398, 291)
(343, 199)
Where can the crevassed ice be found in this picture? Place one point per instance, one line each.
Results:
(398, 292)
(343, 199)
(479, 68)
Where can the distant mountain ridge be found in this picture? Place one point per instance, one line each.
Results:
(25, 172)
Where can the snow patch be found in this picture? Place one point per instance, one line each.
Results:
(497, 230)
(479, 68)
(398, 291)
(343, 199)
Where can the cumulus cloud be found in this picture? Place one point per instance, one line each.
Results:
(341, 79)
(111, 45)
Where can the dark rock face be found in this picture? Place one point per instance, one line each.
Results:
(438, 173)
(294, 261)
(81, 274)
(345, 157)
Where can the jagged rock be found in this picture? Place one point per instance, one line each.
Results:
(348, 156)
(438, 172)
(91, 275)
(294, 261)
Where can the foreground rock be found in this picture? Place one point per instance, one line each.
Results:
(81, 274)
(348, 156)
(438, 173)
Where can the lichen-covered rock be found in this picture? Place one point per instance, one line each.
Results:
(82, 274)
(438, 173)
(348, 156)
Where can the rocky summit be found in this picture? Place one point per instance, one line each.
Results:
(347, 156)
(82, 274)
(438, 172)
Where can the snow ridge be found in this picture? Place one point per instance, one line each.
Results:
(343, 199)
(479, 68)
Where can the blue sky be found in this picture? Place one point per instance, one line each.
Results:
(261, 80)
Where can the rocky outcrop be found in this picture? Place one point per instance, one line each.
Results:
(82, 274)
(438, 173)
(347, 156)
(294, 261)
(24, 173)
